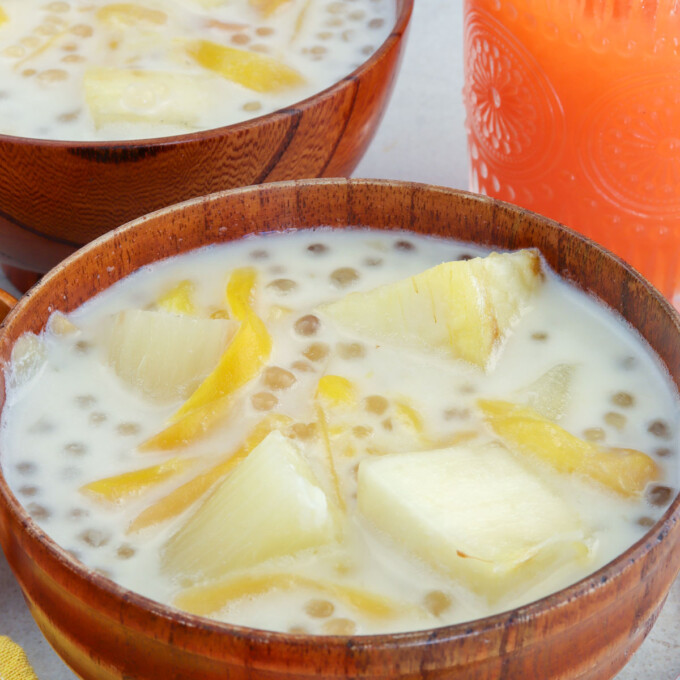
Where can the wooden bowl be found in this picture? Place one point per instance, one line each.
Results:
(56, 196)
(102, 631)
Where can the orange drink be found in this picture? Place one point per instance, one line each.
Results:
(573, 111)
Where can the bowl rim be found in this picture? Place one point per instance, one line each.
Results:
(535, 609)
(404, 11)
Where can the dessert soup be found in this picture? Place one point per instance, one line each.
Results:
(341, 432)
(92, 70)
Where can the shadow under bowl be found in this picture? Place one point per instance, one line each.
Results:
(587, 631)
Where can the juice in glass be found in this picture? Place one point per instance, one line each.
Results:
(573, 111)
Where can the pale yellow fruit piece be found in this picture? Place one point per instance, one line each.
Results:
(141, 96)
(461, 309)
(119, 487)
(60, 324)
(549, 395)
(624, 471)
(184, 496)
(252, 70)
(268, 7)
(179, 299)
(29, 355)
(473, 513)
(271, 505)
(165, 356)
(209, 599)
(126, 14)
(3, 17)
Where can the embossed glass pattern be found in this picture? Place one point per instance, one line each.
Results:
(573, 110)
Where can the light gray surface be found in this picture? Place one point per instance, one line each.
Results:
(422, 139)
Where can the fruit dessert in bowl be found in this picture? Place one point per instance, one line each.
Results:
(112, 110)
(409, 434)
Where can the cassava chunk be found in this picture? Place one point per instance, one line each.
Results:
(250, 69)
(624, 471)
(138, 96)
(165, 356)
(461, 309)
(271, 505)
(473, 513)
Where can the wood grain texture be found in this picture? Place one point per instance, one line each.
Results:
(56, 196)
(585, 632)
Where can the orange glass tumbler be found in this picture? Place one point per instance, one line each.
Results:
(573, 111)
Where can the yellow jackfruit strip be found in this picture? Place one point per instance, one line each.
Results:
(178, 500)
(119, 487)
(330, 459)
(245, 356)
(190, 427)
(267, 7)
(178, 300)
(624, 471)
(124, 14)
(336, 391)
(206, 600)
(300, 21)
(250, 69)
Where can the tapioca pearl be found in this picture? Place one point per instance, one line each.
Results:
(367, 50)
(387, 424)
(277, 378)
(29, 490)
(317, 248)
(324, 35)
(52, 75)
(282, 286)
(298, 630)
(252, 106)
(437, 602)
(303, 431)
(351, 350)
(456, 413)
(539, 336)
(240, 39)
(339, 626)
(344, 277)
(660, 429)
(627, 363)
(376, 404)
(85, 400)
(82, 347)
(82, 30)
(615, 420)
(77, 514)
(659, 495)
(75, 449)
(60, 7)
(357, 15)
(319, 609)
(94, 537)
(404, 246)
(69, 117)
(264, 31)
(14, 51)
(128, 429)
(28, 72)
(372, 261)
(125, 551)
(73, 59)
(594, 434)
(26, 468)
(646, 522)
(362, 431)
(302, 367)
(307, 325)
(97, 418)
(38, 512)
(263, 401)
(336, 8)
(466, 388)
(317, 351)
(623, 399)
(663, 452)
(376, 23)
(259, 254)
(69, 47)
(318, 50)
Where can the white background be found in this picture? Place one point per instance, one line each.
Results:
(422, 139)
